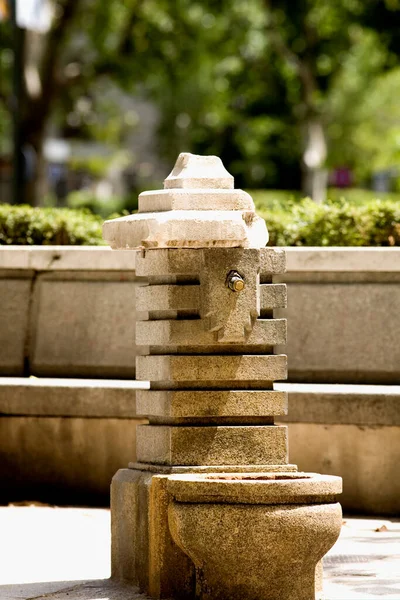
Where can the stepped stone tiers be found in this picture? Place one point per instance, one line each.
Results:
(197, 209)
(206, 333)
(209, 360)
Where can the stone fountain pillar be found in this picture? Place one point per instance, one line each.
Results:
(207, 335)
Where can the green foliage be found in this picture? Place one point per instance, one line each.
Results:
(290, 222)
(104, 207)
(238, 79)
(351, 217)
(376, 139)
(48, 226)
(85, 199)
(243, 80)
(340, 223)
(283, 200)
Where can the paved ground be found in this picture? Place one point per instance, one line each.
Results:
(365, 561)
(64, 554)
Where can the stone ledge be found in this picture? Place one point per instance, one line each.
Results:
(316, 259)
(371, 405)
(66, 258)
(307, 259)
(308, 403)
(69, 397)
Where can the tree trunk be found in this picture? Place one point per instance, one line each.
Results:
(315, 176)
(35, 176)
(40, 91)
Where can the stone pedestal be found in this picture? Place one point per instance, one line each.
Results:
(207, 333)
(211, 406)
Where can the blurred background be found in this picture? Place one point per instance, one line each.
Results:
(299, 97)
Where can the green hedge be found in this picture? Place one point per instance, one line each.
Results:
(291, 223)
(24, 224)
(375, 223)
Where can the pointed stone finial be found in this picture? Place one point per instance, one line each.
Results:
(194, 171)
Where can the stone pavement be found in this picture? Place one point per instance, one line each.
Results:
(64, 554)
(365, 561)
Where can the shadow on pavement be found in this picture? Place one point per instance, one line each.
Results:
(71, 590)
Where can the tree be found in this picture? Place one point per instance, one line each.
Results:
(182, 55)
(269, 86)
(288, 82)
(219, 91)
(320, 43)
(60, 66)
(40, 84)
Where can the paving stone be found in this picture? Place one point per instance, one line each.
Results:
(63, 543)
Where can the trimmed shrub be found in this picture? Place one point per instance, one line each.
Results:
(23, 224)
(294, 223)
(375, 223)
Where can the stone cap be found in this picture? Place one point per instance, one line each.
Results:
(198, 208)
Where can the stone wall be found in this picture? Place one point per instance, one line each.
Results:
(343, 330)
(352, 431)
(62, 440)
(343, 315)
(67, 312)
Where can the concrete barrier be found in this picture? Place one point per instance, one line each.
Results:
(67, 311)
(352, 431)
(62, 440)
(343, 315)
